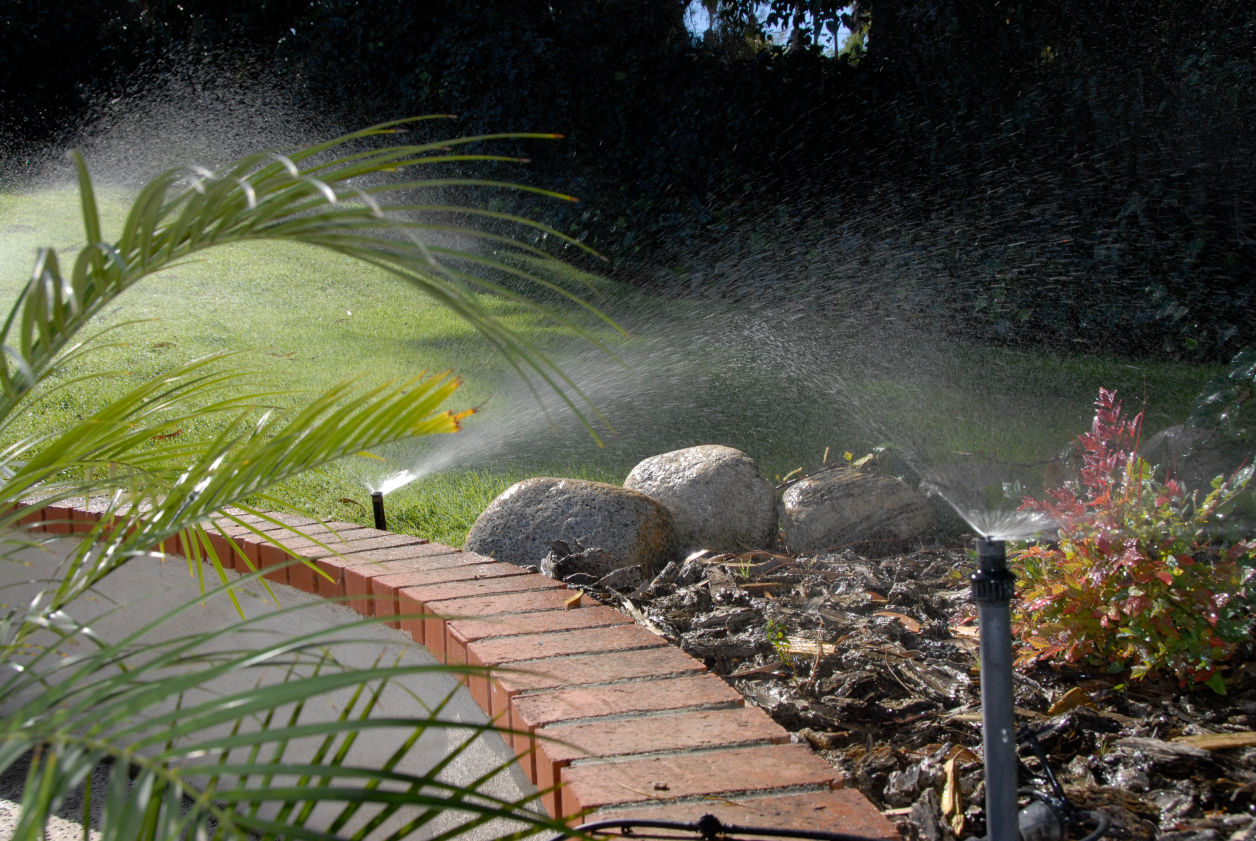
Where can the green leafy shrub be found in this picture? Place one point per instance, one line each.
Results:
(1138, 580)
(1225, 408)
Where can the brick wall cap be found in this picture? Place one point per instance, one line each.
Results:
(646, 731)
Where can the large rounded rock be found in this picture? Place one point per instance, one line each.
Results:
(1193, 456)
(846, 508)
(521, 525)
(716, 496)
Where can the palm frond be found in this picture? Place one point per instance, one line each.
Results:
(186, 758)
(158, 500)
(297, 197)
(189, 753)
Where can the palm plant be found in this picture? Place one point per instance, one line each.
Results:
(187, 762)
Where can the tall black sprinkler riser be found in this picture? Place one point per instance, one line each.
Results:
(992, 588)
(377, 507)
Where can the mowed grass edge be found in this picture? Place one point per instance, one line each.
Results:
(301, 319)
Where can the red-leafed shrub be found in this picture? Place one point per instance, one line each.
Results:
(1138, 580)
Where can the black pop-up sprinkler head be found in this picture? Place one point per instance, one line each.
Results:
(377, 507)
(992, 587)
(1046, 817)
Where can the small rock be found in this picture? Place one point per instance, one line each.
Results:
(716, 496)
(521, 525)
(926, 815)
(845, 508)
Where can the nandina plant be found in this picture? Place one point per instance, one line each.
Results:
(1140, 579)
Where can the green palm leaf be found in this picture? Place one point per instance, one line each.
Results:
(271, 197)
(187, 756)
(187, 759)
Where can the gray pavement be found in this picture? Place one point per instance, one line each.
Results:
(149, 588)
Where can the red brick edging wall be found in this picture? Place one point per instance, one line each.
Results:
(618, 722)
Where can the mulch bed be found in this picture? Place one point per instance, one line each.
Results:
(873, 661)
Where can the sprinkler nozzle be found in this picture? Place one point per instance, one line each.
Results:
(377, 506)
(992, 587)
(993, 582)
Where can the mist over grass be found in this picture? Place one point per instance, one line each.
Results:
(788, 338)
(782, 384)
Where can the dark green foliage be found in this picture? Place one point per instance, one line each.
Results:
(65, 65)
(1052, 172)
(1226, 408)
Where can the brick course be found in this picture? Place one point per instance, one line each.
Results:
(688, 729)
(617, 722)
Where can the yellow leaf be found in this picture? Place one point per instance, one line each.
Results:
(962, 755)
(952, 797)
(1075, 697)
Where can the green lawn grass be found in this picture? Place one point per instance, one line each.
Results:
(689, 373)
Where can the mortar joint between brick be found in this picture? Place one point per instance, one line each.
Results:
(627, 681)
(707, 800)
(600, 650)
(702, 751)
(576, 762)
(636, 714)
(516, 634)
(521, 665)
(653, 713)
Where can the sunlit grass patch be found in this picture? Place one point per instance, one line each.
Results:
(688, 372)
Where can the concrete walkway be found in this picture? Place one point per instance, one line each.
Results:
(147, 589)
(647, 731)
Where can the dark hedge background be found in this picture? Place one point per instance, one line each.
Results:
(1046, 171)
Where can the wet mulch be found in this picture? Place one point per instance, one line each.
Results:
(873, 661)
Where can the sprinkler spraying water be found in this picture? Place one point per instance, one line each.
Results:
(377, 508)
(1047, 817)
(992, 588)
